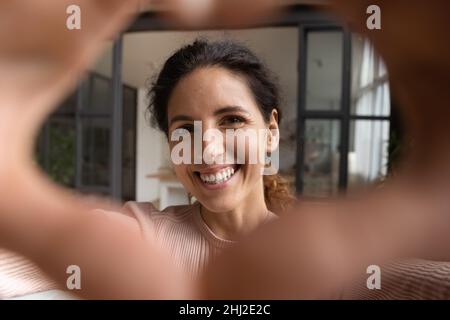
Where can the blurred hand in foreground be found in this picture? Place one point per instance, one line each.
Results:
(305, 254)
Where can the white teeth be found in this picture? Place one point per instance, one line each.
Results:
(219, 177)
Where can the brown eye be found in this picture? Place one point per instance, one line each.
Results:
(188, 127)
(233, 120)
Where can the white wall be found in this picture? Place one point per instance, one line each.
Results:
(149, 153)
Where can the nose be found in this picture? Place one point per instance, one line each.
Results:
(213, 147)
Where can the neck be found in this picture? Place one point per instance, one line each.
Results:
(246, 217)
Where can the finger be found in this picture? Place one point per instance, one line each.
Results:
(44, 52)
(317, 250)
(41, 59)
(412, 43)
(215, 13)
(57, 229)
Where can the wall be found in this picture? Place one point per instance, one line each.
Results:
(150, 146)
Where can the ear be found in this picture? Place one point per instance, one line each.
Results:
(273, 138)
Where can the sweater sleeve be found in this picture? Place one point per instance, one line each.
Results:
(413, 279)
(19, 276)
(142, 212)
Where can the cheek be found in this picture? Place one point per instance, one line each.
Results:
(255, 151)
(182, 174)
(255, 156)
(254, 161)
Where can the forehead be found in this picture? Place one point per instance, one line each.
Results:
(207, 89)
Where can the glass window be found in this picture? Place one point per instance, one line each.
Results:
(97, 87)
(324, 70)
(368, 153)
(97, 95)
(370, 94)
(61, 151)
(95, 152)
(321, 157)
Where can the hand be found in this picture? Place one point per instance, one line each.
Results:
(37, 71)
(206, 13)
(41, 60)
(315, 250)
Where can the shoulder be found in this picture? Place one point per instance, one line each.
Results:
(154, 222)
(147, 210)
(144, 216)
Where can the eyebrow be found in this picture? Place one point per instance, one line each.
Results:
(226, 109)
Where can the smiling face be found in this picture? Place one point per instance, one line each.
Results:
(221, 100)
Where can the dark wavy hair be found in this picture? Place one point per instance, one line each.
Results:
(240, 60)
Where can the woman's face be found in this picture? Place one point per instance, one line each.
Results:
(219, 100)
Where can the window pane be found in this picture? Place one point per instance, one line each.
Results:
(321, 162)
(324, 70)
(61, 151)
(97, 87)
(97, 95)
(95, 152)
(368, 152)
(370, 87)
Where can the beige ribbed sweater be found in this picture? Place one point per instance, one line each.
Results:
(182, 231)
(190, 241)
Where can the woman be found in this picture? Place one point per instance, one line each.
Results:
(54, 228)
(226, 87)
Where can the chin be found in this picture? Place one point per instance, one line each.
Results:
(221, 204)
